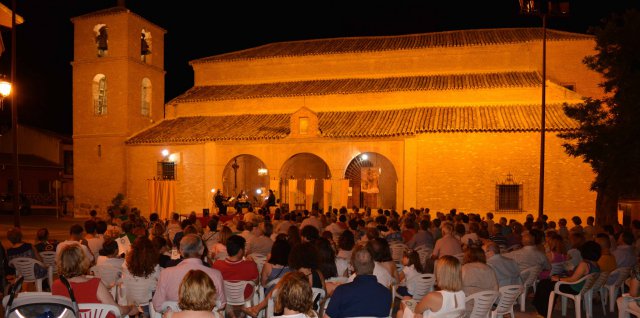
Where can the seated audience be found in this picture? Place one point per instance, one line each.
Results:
(634, 291)
(74, 266)
(506, 269)
(590, 254)
(295, 297)
(412, 267)
(529, 255)
(448, 244)
(278, 263)
(354, 299)
(448, 298)
(476, 274)
(196, 297)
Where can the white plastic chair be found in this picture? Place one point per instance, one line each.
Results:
(173, 305)
(529, 277)
(424, 253)
(271, 304)
(460, 257)
(5, 299)
(482, 303)
(621, 274)
(49, 259)
(589, 294)
(318, 297)
(136, 290)
(24, 268)
(96, 310)
(109, 275)
(456, 313)
(259, 259)
(397, 250)
(623, 306)
(588, 281)
(508, 296)
(234, 291)
(423, 284)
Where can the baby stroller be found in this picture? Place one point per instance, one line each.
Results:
(39, 305)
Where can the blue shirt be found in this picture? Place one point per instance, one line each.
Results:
(362, 297)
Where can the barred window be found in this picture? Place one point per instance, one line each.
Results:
(100, 94)
(166, 170)
(509, 195)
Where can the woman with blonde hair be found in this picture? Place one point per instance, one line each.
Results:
(219, 250)
(196, 296)
(449, 298)
(295, 297)
(74, 266)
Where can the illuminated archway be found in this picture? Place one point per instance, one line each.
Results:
(373, 181)
(248, 173)
(302, 167)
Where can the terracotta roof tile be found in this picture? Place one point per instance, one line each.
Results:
(366, 124)
(391, 43)
(360, 85)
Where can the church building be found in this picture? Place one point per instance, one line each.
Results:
(437, 120)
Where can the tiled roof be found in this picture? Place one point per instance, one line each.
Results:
(375, 123)
(391, 43)
(361, 85)
(103, 12)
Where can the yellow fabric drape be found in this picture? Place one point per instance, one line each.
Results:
(274, 185)
(344, 192)
(326, 196)
(162, 197)
(310, 185)
(293, 190)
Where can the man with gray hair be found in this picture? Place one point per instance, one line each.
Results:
(529, 255)
(191, 248)
(507, 271)
(364, 297)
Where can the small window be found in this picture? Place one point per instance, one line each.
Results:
(68, 162)
(145, 45)
(509, 195)
(100, 94)
(304, 125)
(166, 170)
(145, 107)
(101, 39)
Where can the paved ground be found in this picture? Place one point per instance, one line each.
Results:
(59, 227)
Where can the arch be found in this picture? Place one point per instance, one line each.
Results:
(380, 182)
(145, 46)
(241, 173)
(145, 99)
(99, 92)
(301, 167)
(101, 38)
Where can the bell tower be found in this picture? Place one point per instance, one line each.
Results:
(118, 90)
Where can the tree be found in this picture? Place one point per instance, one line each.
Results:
(608, 137)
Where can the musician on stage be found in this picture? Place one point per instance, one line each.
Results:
(241, 201)
(220, 201)
(270, 200)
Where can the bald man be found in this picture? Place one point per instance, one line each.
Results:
(529, 255)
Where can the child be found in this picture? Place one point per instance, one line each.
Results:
(411, 268)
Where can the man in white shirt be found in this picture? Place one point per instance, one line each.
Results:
(313, 220)
(284, 225)
(448, 244)
(261, 242)
(624, 252)
(507, 270)
(529, 255)
(76, 237)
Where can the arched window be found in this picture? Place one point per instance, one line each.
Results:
(145, 45)
(100, 94)
(145, 107)
(101, 39)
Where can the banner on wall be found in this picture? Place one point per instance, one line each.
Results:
(326, 198)
(344, 192)
(369, 180)
(293, 191)
(310, 185)
(161, 197)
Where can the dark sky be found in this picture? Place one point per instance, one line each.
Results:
(197, 29)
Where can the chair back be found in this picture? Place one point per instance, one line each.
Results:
(508, 296)
(482, 303)
(422, 284)
(271, 304)
(49, 259)
(137, 290)
(24, 267)
(424, 253)
(558, 268)
(96, 310)
(455, 313)
(259, 259)
(318, 297)
(173, 305)
(589, 281)
(530, 275)
(234, 291)
(600, 281)
(621, 274)
(460, 257)
(108, 273)
(397, 251)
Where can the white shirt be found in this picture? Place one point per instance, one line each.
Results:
(529, 256)
(382, 275)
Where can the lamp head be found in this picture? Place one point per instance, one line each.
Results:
(5, 88)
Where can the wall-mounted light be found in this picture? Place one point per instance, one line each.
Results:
(263, 171)
(165, 152)
(173, 157)
(259, 191)
(364, 156)
(213, 190)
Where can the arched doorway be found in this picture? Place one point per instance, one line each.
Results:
(248, 173)
(307, 173)
(373, 181)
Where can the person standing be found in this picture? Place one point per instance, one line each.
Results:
(219, 200)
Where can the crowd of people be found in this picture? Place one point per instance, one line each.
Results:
(343, 255)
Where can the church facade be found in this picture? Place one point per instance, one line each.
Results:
(439, 120)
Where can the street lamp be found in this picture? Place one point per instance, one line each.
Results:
(543, 8)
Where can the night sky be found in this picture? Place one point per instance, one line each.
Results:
(197, 29)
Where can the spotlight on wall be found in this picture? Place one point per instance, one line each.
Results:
(213, 190)
(364, 156)
(165, 152)
(259, 191)
(263, 172)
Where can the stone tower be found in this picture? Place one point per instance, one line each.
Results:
(118, 90)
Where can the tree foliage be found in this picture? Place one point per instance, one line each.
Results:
(609, 134)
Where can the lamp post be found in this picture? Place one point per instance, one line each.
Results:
(14, 121)
(543, 8)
